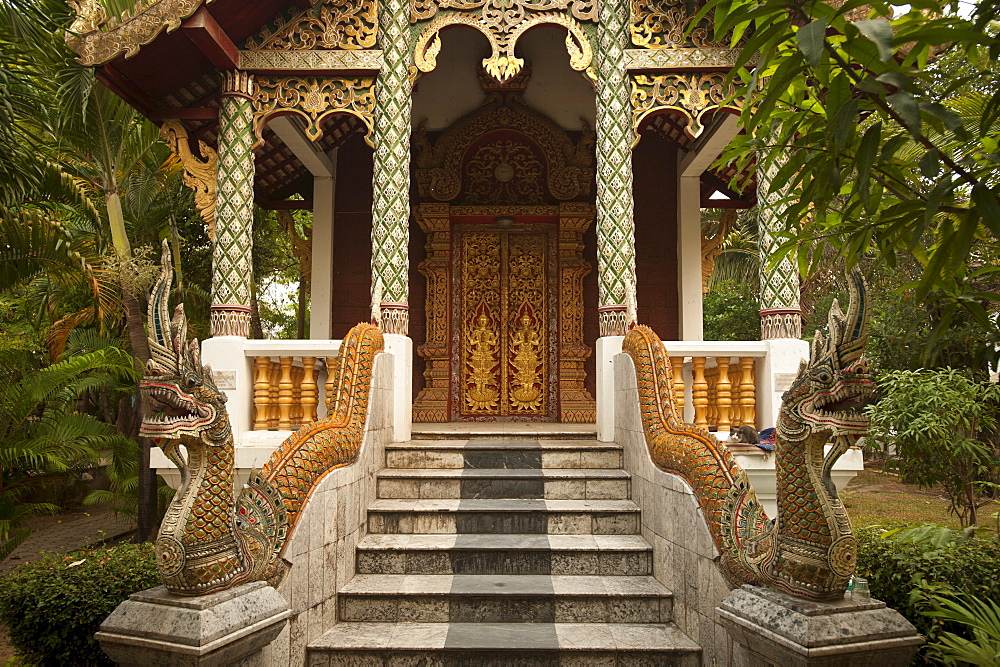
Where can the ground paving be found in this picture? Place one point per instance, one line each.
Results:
(68, 531)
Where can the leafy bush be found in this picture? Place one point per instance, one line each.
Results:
(943, 426)
(911, 572)
(731, 312)
(53, 606)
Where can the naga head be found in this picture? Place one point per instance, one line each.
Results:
(180, 399)
(832, 389)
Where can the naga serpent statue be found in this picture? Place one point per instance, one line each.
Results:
(810, 549)
(208, 542)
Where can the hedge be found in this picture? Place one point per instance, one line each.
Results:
(904, 574)
(53, 606)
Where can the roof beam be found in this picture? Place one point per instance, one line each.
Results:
(213, 42)
(312, 158)
(710, 144)
(189, 113)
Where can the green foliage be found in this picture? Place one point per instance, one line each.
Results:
(982, 618)
(872, 149)
(731, 312)
(43, 437)
(908, 572)
(943, 427)
(53, 606)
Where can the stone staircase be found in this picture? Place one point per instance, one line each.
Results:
(503, 551)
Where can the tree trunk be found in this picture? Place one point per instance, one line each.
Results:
(300, 320)
(146, 506)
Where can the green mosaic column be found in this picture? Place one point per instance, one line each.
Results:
(615, 225)
(232, 269)
(391, 206)
(780, 314)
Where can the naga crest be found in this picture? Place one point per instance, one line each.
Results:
(180, 399)
(832, 389)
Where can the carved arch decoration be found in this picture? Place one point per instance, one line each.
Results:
(691, 95)
(502, 22)
(504, 128)
(312, 99)
(331, 24)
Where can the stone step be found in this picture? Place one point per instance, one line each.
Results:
(550, 483)
(443, 598)
(503, 453)
(503, 644)
(612, 555)
(504, 516)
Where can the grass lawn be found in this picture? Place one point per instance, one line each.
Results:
(875, 497)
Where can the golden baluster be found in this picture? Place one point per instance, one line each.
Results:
(699, 392)
(309, 392)
(712, 413)
(723, 394)
(272, 413)
(261, 393)
(296, 411)
(748, 391)
(677, 366)
(285, 395)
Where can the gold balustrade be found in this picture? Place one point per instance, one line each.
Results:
(723, 391)
(286, 392)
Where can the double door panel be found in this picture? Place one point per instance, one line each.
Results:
(503, 355)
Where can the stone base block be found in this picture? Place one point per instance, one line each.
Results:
(778, 629)
(156, 627)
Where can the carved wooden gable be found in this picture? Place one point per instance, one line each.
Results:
(504, 153)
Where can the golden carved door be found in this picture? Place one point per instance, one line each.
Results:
(502, 359)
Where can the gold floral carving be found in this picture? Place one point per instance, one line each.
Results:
(503, 171)
(663, 24)
(568, 166)
(333, 24)
(481, 317)
(432, 403)
(575, 402)
(97, 40)
(313, 99)
(690, 95)
(503, 22)
(199, 174)
(526, 313)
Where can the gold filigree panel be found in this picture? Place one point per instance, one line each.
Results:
(313, 99)
(333, 24)
(503, 310)
(662, 24)
(690, 95)
(503, 22)
(502, 171)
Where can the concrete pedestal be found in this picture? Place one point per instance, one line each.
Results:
(778, 629)
(156, 627)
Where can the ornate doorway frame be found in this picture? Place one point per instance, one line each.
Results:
(437, 402)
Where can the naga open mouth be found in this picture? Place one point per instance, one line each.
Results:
(168, 413)
(842, 407)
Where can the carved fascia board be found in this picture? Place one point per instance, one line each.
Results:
(691, 95)
(638, 60)
(370, 60)
(96, 39)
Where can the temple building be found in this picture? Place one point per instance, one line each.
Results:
(505, 188)
(508, 188)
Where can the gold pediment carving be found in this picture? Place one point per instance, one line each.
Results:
(504, 151)
(332, 24)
